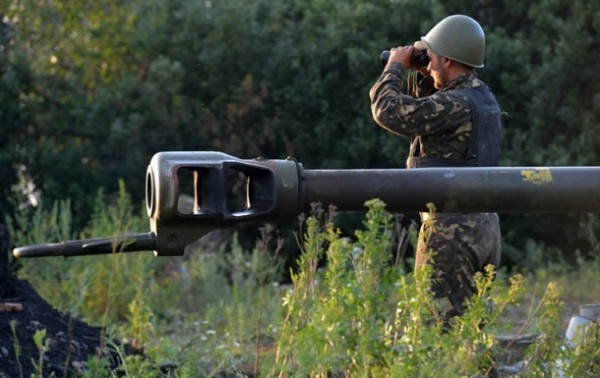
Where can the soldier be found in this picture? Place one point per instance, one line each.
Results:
(455, 122)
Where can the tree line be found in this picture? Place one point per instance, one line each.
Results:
(89, 91)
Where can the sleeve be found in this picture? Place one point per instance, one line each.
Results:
(405, 115)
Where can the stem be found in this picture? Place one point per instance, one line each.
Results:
(13, 327)
(258, 329)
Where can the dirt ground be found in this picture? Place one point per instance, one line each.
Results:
(71, 342)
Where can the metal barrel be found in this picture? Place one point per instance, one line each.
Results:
(222, 190)
(95, 246)
(490, 189)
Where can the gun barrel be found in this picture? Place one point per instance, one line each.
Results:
(95, 246)
(494, 189)
(189, 194)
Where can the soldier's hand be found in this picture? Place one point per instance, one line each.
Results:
(420, 45)
(401, 55)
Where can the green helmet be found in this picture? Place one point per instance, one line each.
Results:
(459, 38)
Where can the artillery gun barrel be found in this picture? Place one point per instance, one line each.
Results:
(189, 194)
(95, 246)
(497, 189)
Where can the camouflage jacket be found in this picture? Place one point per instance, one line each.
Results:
(439, 125)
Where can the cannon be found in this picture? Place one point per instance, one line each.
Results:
(189, 194)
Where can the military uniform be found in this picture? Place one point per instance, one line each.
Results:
(457, 126)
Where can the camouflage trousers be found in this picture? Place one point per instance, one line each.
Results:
(457, 246)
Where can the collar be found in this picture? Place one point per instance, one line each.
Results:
(468, 79)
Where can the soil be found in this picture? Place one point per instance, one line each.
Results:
(71, 341)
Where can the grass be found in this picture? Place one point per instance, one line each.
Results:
(359, 315)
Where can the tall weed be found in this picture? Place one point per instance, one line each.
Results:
(361, 316)
(335, 316)
(89, 286)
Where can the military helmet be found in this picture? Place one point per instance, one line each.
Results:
(459, 38)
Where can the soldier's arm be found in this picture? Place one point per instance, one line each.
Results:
(402, 114)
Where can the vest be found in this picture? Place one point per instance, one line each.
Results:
(486, 136)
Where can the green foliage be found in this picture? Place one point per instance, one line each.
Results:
(11, 84)
(549, 347)
(152, 73)
(43, 345)
(39, 225)
(134, 365)
(582, 359)
(13, 328)
(349, 311)
(344, 320)
(93, 286)
(550, 97)
(338, 324)
(140, 329)
(96, 367)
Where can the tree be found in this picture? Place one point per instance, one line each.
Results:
(11, 81)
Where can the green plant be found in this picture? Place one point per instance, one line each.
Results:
(139, 329)
(13, 327)
(335, 316)
(132, 366)
(96, 367)
(583, 359)
(362, 316)
(43, 345)
(351, 311)
(37, 226)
